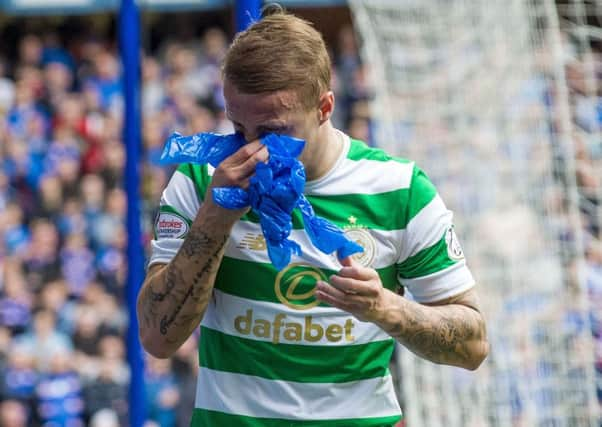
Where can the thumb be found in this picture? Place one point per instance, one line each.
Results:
(347, 262)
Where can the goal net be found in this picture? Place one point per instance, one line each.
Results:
(477, 93)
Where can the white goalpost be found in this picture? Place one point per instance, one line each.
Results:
(476, 92)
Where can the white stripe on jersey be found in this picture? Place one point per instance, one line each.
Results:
(361, 176)
(163, 250)
(223, 392)
(426, 228)
(437, 286)
(240, 246)
(181, 195)
(224, 309)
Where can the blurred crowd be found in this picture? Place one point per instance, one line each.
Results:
(584, 77)
(62, 211)
(62, 214)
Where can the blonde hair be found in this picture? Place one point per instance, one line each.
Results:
(279, 52)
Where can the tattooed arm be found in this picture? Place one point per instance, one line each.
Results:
(174, 296)
(450, 332)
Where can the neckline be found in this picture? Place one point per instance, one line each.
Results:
(310, 185)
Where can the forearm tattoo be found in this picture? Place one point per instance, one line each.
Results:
(185, 288)
(443, 334)
(198, 244)
(196, 291)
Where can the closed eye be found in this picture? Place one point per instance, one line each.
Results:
(278, 130)
(262, 130)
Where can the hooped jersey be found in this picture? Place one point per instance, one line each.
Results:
(270, 354)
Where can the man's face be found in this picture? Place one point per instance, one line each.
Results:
(275, 112)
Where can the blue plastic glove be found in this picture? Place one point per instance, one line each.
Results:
(274, 191)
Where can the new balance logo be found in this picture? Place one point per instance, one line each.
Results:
(253, 242)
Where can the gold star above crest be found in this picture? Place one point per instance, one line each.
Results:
(352, 220)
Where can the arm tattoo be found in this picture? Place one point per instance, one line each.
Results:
(443, 334)
(197, 243)
(194, 291)
(152, 298)
(168, 295)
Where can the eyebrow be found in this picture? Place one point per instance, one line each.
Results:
(265, 127)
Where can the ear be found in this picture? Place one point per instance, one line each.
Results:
(326, 106)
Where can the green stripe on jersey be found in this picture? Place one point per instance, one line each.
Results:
(312, 364)
(422, 192)
(427, 261)
(199, 176)
(254, 280)
(382, 211)
(359, 150)
(206, 418)
(296, 219)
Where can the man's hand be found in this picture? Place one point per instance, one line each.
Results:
(235, 171)
(174, 296)
(355, 289)
(450, 331)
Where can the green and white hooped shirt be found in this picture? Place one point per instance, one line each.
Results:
(269, 354)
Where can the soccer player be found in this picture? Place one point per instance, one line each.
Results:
(311, 344)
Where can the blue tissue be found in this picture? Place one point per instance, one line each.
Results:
(274, 191)
(207, 147)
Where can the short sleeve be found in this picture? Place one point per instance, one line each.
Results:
(431, 265)
(180, 202)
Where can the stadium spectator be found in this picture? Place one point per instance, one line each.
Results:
(59, 399)
(19, 376)
(14, 413)
(16, 302)
(7, 87)
(162, 392)
(43, 342)
(107, 391)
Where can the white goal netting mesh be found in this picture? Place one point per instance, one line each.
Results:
(479, 94)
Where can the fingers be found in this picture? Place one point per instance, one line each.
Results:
(357, 305)
(236, 170)
(354, 270)
(359, 292)
(333, 296)
(248, 167)
(352, 286)
(243, 153)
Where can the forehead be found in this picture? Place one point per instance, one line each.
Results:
(259, 107)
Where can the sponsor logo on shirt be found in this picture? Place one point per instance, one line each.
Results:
(280, 328)
(253, 242)
(454, 250)
(170, 225)
(295, 286)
